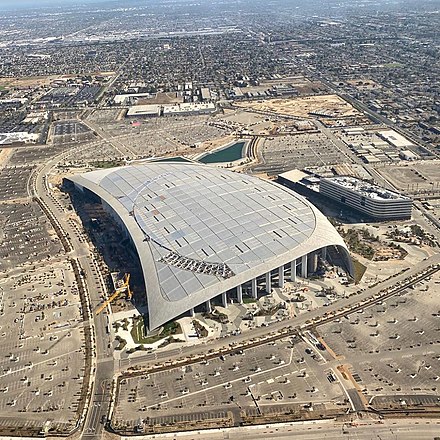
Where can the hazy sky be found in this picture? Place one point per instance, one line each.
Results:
(36, 3)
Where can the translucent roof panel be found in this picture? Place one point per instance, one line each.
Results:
(193, 215)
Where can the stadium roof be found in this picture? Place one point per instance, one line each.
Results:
(200, 231)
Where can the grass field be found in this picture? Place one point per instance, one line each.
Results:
(393, 65)
(139, 336)
(359, 270)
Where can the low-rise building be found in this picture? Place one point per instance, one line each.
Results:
(372, 200)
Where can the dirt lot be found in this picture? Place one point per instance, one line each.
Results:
(420, 175)
(36, 81)
(331, 105)
(364, 84)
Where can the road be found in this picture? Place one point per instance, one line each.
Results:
(104, 365)
(340, 145)
(215, 345)
(361, 430)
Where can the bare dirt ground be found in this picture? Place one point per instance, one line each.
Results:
(302, 107)
(5, 154)
(36, 81)
(418, 175)
(364, 84)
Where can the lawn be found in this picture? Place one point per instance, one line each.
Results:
(139, 336)
(359, 270)
(108, 163)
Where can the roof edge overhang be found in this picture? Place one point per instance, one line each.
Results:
(161, 310)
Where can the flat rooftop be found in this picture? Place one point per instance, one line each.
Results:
(367, 189)
(396, 139)
(149, 109)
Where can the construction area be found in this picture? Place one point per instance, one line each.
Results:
(121, 286)
(418, 178)
(327, 108)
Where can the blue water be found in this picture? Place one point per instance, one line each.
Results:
(228, 154)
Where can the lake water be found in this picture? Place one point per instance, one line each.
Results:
(229, 154)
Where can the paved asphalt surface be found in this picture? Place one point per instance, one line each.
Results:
(104, 355)
(360, 430)
(105, 367)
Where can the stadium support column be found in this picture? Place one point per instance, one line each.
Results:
(324, 253)
(268, 283)
(312, 263)
(293, 270)
(208, 306)
(240, 294)
(281, 277)
(191, 312)
(224, 300)
(304, 266)
(254, 288)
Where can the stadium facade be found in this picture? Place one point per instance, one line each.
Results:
(204, 232)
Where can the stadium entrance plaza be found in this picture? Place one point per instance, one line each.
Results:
(283, 303)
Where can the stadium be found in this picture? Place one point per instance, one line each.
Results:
(204, 233)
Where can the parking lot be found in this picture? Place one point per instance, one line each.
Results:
(283, 153)
(13, 182)
(288, 376)
(69, 128)
(41, 341)
(394, 346)
(104, 116)
(27, 235)
(100, 151)
(159, 136)
(66, 132)
(35, 155)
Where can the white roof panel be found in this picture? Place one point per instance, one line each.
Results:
(204, 229)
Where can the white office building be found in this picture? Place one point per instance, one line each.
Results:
(372, 200)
